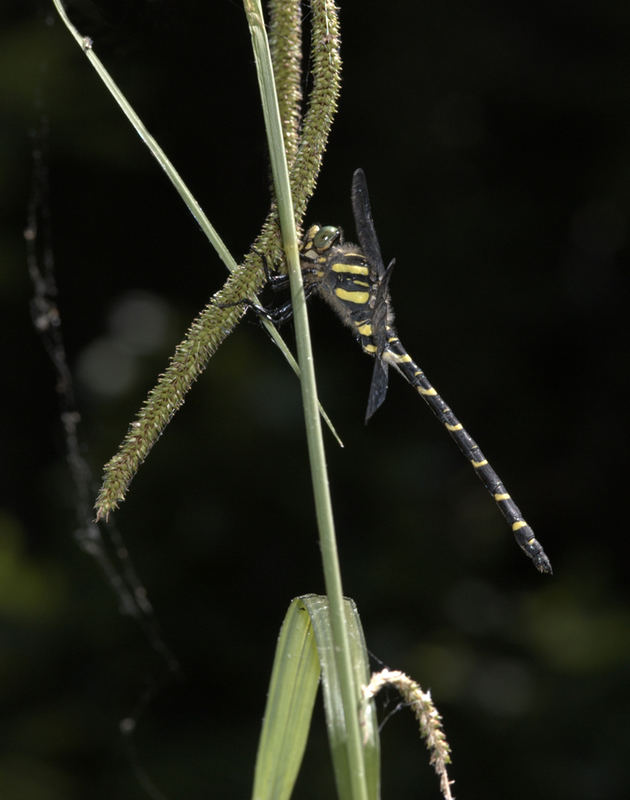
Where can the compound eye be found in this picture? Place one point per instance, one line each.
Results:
(326, 237)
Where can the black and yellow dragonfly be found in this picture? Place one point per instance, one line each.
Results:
(354, 281)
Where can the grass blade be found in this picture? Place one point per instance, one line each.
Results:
(292, 690)
(318, 609)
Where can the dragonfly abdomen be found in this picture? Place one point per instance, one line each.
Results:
(396, 355)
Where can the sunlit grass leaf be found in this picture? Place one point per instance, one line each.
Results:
(317, 606)
(292, 691)
(304, 647)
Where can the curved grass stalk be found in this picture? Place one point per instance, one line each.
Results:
(424, 710)
(213, 324)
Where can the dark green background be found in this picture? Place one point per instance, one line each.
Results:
(496, 141)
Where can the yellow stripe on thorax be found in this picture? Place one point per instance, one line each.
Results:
(360, 298)
(353, 269)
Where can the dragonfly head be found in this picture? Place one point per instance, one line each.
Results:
(326, 237)
(320, 238)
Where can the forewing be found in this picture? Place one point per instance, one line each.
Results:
(372, 251)
(364, 224)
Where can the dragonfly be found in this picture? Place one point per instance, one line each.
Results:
(354, 281)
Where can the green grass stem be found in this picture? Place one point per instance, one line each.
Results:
(332, 574)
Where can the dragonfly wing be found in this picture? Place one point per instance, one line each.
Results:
(380, 334)
(364, 223)
(378, 388)
(382, 316)
(379, 276)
